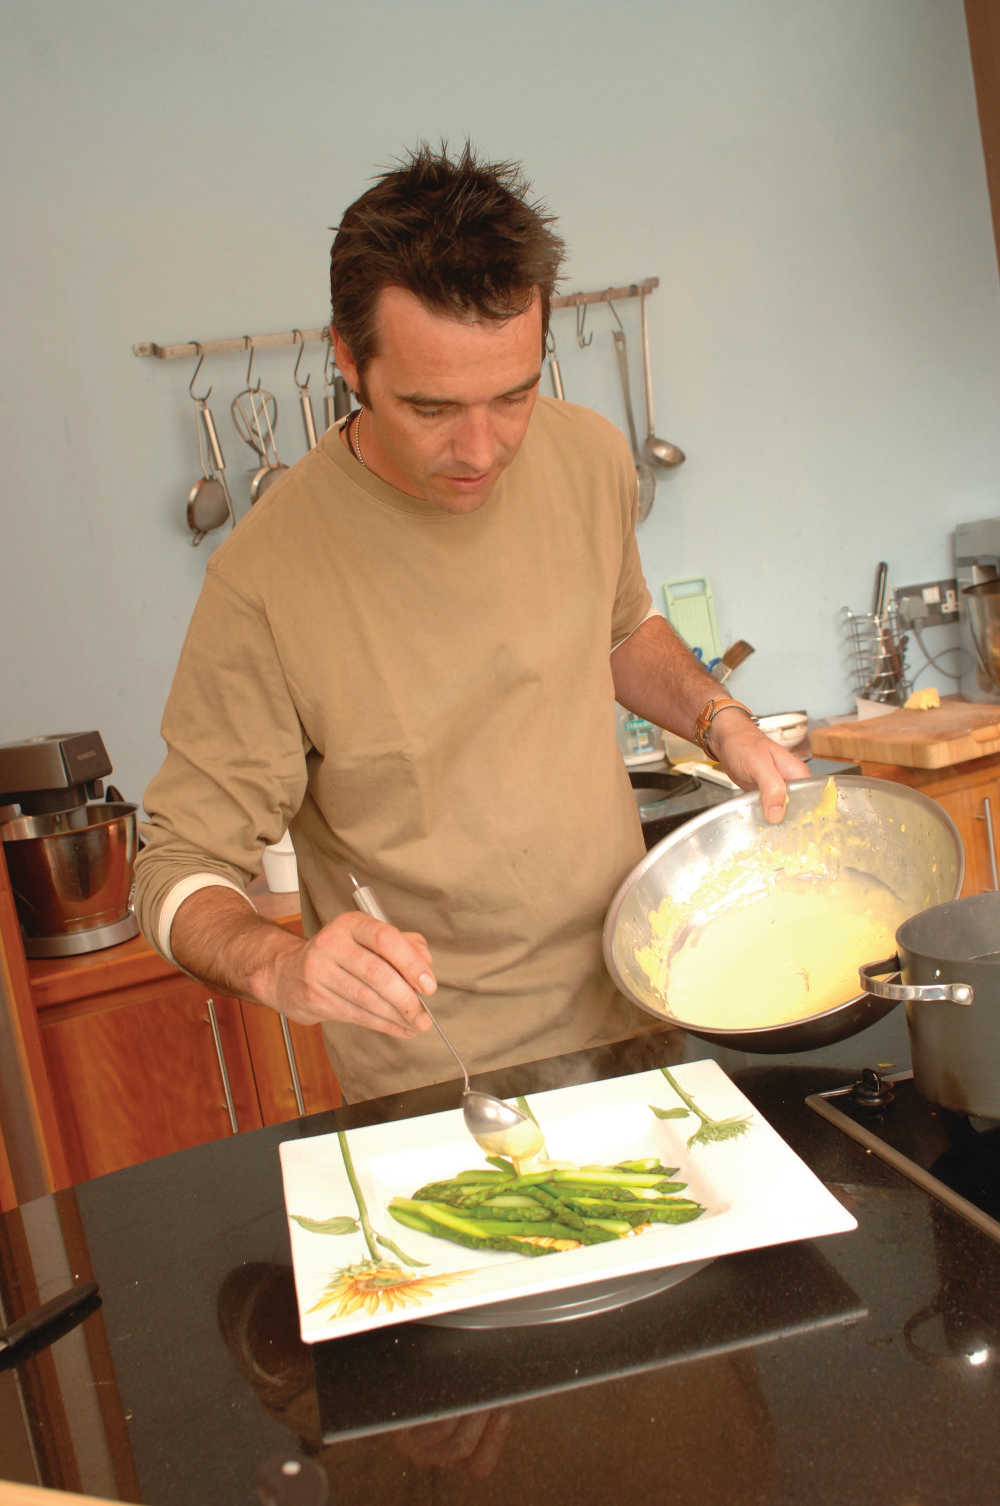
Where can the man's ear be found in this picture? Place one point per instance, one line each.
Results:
(344, 359)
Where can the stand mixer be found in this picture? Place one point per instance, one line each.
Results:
(977, 571)
(69, 847)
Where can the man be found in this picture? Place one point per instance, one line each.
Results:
(408, 654)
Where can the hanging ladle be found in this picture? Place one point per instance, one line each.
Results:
(645, 475)
(659, 451)
(493, 1124)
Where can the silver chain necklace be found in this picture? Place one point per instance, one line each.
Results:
(354, 438)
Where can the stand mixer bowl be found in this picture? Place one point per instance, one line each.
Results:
(983, 607)
(71, 871)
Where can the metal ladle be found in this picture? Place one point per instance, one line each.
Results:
(645, 475)
(659, 451)
(486, 1118)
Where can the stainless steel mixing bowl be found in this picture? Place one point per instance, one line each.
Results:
(888, 831)
(72, 870)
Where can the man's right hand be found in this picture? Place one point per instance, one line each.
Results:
(357, 969)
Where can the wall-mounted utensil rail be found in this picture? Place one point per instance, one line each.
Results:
(235, 344)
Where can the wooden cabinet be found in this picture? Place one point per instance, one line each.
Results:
(31, 1157)
(970, 793)
(140, 1060)
(291, 1067)
(143, 1071)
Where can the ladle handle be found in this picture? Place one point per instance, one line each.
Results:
(647, 374)
(366, 902)
(621, 351)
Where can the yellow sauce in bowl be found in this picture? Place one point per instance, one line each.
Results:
(791, 952)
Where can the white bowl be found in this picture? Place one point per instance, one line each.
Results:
(281, 871)
(785, 727)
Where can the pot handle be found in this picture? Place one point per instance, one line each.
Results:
(892, 988)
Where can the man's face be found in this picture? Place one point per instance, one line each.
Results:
(447, 400)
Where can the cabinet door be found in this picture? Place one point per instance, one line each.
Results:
(967, 807)
(280, 1061)
(139, 1073)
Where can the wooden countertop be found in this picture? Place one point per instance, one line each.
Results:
(59, 980)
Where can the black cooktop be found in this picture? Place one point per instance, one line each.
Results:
(955, 1158)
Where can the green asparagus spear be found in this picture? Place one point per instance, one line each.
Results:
(415, 1216)
(606, 1176)
(556, 1206)
(668, 1211)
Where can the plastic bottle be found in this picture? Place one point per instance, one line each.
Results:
(637, 738)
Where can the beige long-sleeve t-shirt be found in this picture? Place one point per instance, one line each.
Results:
(425, 700)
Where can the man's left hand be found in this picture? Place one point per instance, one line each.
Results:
(752, 760)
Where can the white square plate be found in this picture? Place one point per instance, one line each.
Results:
(755, 1191)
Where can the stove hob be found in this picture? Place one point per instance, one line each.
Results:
(945, 1153)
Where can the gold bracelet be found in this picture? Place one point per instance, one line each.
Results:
(707, 716)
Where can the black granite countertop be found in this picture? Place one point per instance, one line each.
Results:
(853, 1369)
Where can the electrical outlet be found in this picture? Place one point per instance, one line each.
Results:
(929, 604)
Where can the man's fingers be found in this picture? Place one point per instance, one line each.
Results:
(407, 953)
(773, 800)
(773, 793)
(362, 971)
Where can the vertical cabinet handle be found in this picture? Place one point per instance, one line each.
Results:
(293, 1066)
(990, 843)
(224, 1074)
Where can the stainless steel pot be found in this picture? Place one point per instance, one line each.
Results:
(72, 870)
(890, 831)
(947, 971)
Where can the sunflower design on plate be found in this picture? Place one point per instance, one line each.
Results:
(376, 1283)
(379, 1284)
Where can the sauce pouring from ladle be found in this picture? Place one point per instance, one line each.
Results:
(493, 1124)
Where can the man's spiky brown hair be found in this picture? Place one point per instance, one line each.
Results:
(460, 234)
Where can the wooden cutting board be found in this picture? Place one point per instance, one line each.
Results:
(953, 732)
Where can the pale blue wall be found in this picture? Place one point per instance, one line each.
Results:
(805, 177)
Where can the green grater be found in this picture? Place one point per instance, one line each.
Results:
(691, 611)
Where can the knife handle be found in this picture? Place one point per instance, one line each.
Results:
(34, 1323)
